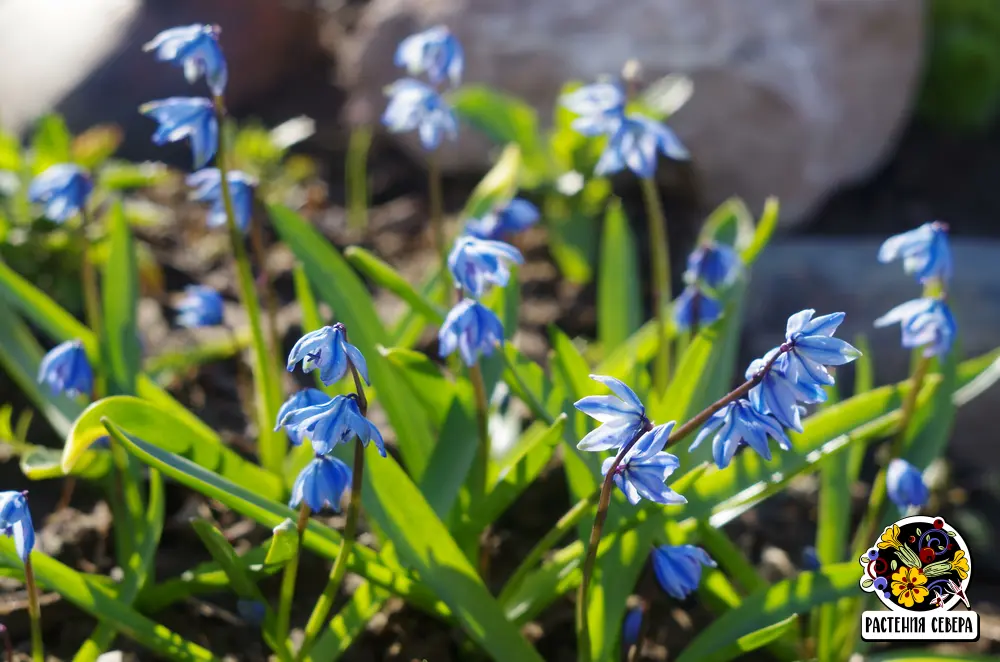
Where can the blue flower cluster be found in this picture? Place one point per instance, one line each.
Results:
(196, 49)
(710, 268)
(415, 105)
(325, 421)
(790, 375)
(634, 141)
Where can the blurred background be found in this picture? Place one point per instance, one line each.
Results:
(865, 117)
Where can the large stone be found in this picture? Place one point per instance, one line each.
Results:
(833, 275)
(791, 97)
(85, 60)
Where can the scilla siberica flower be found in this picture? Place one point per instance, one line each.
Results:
(66, 370)
(740, 424)
(186, 117)
(694, 306)
(307, 397)
(779, 392)
(336, 421)
(925, 252)
(646, 466)
(207, 185)
(812, 347)
(416, 106)
(472, 329)
(714, 264)
(516, 216)
(678, 568)
(622, 416)
(600, 108)
(15, 521)
(477, 263)
(632, 625)
(905, 485)
(436, 52)
(636, 144)
(926, 323)
(321, 484)
(63, 189)
(328, 350)
(196, 48)
(201, 306)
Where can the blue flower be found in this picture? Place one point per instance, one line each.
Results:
(810, 558)
(926, 323)
(327, 424)
(714, 264)
(196, 48)
(476, 263)
(66, 370)
(308, 397)
(201, 306)
(622, 417)
(812, 346)
(328, 350)
(63, 189)
(600, 107)
(739, 424)
(925, 252)
(415, 106)
(645, 467)
(321, 484)
(473, 329)
(186, 117)
(780, 391)
(905, 485)
(15, 521)
(695, 307)
(516, 216)
(632, 626)
(436, 52)
(636, 144)
(207, 185)
(678, 568)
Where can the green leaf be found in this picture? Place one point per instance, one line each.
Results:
(504, 119)
(125, 176)
(748, 643)
(349, 623)
(96, 145)
(121, 298)
(771, 606)
(356, 176)
(161, 428)
(101, 604)
(248, 502)
(384, 275)
(664, 97)
(51, 143)
(336, 283)
(10, 152)
(42, 463)
(729, 557)
(242, 584)
(498, 186)
(284, 544)
(765, 228)
(619, 303)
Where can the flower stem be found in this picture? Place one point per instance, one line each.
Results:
(320, 612)
(437, 216)
(92, 300)
(660, 276)
(259, 247)
(34, 613)
(481, 474)
(604, 500)
(876, 504)
(287, 591)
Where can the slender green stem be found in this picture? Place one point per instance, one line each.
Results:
(437, 216)
(320, 612)
(34, 613)
(92, 299)
(259, 246)
(481, 474)
(660, 276)
(876, 504)
(287, 591)
(604, 500)
(537, 408)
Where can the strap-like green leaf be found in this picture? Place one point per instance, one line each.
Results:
(120, 288)
(619, 302)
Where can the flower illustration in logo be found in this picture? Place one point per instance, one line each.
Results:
(908, 585)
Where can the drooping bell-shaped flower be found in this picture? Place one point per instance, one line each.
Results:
(330, 423)
(925, 251)
(695, 307)
(740, 424)
(905, 485)
(714, 264)
(812, 346)
(477, 263)
(65, 369)
(600, 108)
(207, 185)
(643, 472)
(622, 416)
(636, 144)
(195, 48)
(516, 216)
(321, 484)
(328, 350)
(15, 522)
(472, 329)
(63, 189)
(414, 106)
(926, 323)
(186, 117)
(201, 306)
(435, 52)
(307, 397)
(678, 568)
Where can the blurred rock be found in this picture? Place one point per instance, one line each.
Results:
(85, 59)
(790, 98)
(833, 275)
